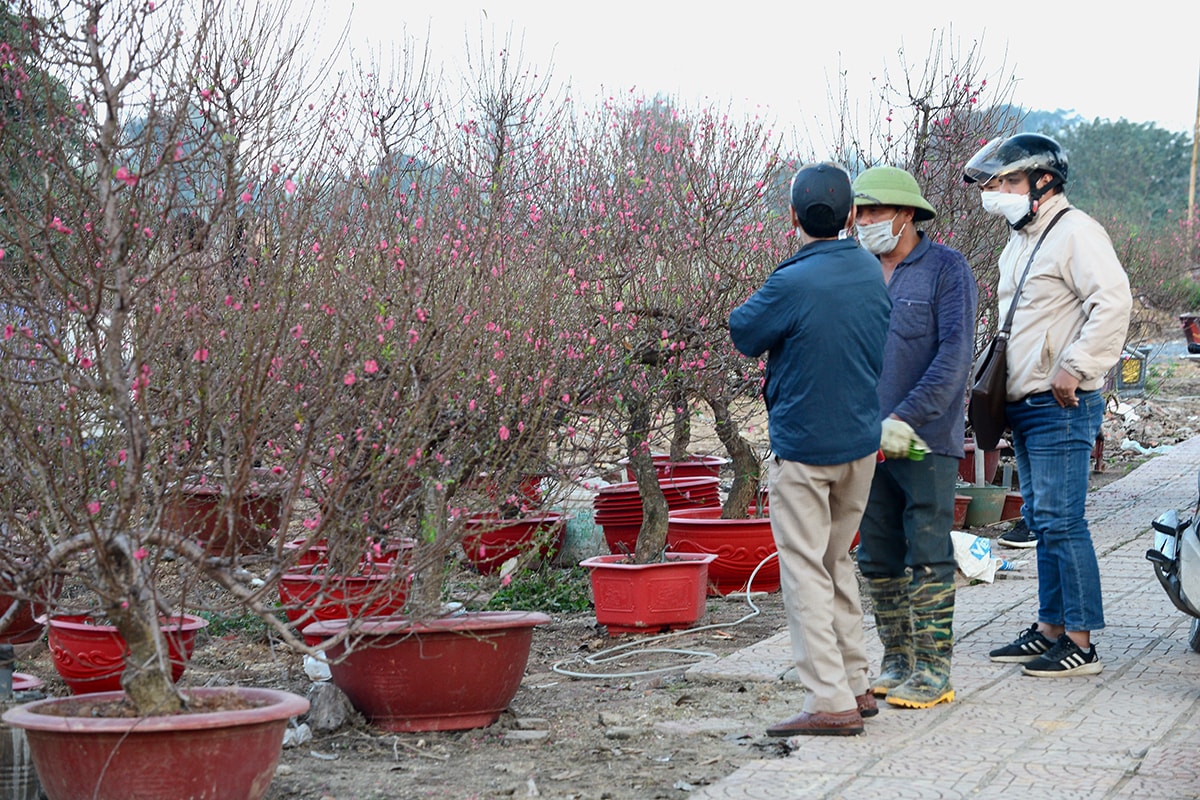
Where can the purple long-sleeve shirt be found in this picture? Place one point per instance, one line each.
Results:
(930, 345)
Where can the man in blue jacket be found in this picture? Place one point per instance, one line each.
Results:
(822, 319)
(907, 556)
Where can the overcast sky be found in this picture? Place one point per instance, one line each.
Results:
(1138, 61)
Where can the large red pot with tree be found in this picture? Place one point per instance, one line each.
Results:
(426, 676)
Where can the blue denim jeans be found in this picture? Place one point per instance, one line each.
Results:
(1054, 448)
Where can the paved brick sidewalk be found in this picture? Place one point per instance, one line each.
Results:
(1130, 732)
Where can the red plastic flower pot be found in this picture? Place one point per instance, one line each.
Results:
(1012, 506)
(194, 511)
(619, 507)
(649, 598)
(991, 462)
(316, 553)
(453, 673)
(739, 545)
(492, 539)
(23, 682)
(213, 754)
(690, 467)
(961, 504)
(309, 596)
(90, 657)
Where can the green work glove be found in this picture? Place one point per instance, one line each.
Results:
(898, 437)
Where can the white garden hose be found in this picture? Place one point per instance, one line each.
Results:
(623, 651)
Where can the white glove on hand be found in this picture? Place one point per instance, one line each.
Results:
(898, 436)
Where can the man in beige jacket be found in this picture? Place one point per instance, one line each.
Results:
(1072, 314)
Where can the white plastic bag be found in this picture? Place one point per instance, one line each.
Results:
(974, 556)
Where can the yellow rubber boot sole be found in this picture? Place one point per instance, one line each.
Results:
(904, 702)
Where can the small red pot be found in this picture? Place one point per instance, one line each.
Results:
(24, 682)
(491, 539)
(991, 462)
(619, 507)
(194, 510)
(649, 598)
(25, 625)
(1012, 506)
(961, 504)
(90, 657)
(309, 596)
(690, 467)
(317, 553)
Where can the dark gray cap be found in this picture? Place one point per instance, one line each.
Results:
(821, 198)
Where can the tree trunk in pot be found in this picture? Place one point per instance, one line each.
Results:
(652, 537)
(746, 468)
(147, 675)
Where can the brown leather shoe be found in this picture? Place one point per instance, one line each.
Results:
(867, 706)
(820, 723)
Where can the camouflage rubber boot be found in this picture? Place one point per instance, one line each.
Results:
(893, 623)
(933, 644)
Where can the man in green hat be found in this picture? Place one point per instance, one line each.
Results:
(906, 554)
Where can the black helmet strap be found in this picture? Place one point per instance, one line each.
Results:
(1036, 194)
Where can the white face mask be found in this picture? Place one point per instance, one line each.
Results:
(877, 237)
(1013, 207)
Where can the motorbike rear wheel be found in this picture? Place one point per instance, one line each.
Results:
(1194, 635)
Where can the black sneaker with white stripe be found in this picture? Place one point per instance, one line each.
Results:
(1065, 660)
(1028, 646)
(1018, 535)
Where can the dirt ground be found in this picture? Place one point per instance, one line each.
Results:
(605, 737)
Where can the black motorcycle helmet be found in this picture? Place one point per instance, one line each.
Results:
(1026, 152)
(1031, 153)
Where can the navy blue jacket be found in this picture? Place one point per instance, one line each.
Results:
(930, 345)
(822, 318)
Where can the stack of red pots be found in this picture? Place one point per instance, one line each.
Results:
(619, 507)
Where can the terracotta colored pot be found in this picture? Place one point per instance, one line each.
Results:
(309, 596)
(691, 467)
(216, 754)
(961, 503)
(739, 545)
(991, 462)
(453, 673)
(619, 507)
(1012, 506)
(527, 494)
(649, 598)
(194, 511)
(90, 657)
(23, 682)
(491, 539)
(621, 538)
(25, 625)
(317, 552)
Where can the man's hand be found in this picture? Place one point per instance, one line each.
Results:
(898, 436)
(1063, 387)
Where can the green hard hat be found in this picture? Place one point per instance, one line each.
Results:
(891, 186)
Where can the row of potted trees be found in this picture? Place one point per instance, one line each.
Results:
(359, 322)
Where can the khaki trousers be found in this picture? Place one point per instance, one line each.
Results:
(815, 513)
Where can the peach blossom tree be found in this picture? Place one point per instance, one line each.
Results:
(212, 273)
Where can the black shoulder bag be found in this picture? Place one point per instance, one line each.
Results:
(989, 394)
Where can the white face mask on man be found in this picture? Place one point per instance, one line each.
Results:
(877, 237)
(1013, 207)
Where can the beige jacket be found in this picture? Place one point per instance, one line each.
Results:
(1074, 308)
